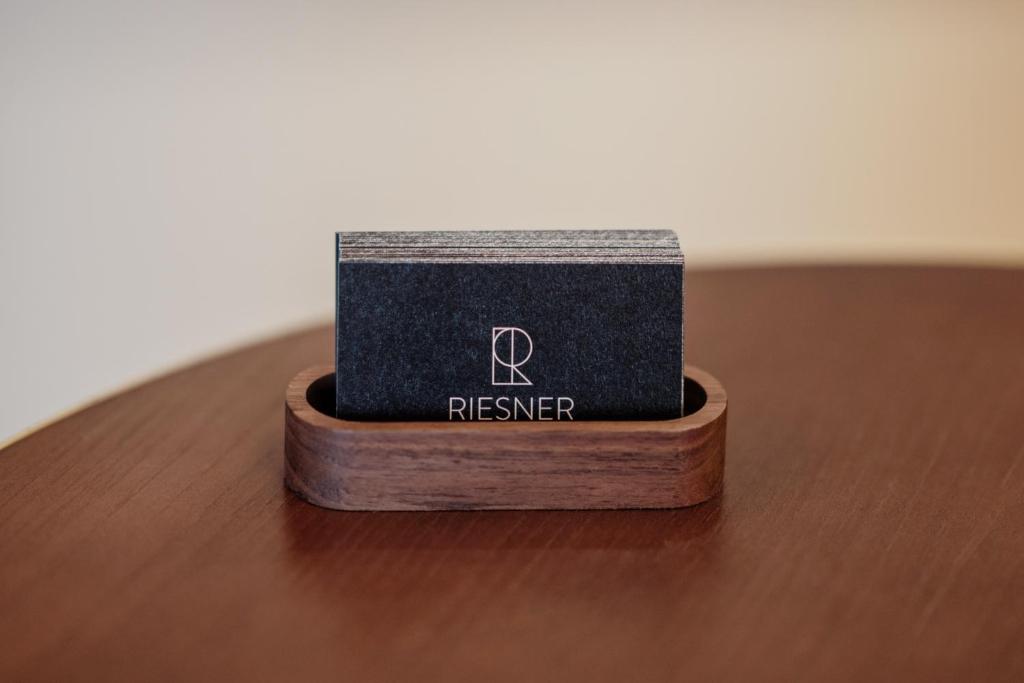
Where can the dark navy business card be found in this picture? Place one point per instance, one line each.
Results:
(509, 340)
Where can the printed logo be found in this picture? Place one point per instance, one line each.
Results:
(511, 347)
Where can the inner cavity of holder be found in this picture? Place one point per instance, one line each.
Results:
(320, 396)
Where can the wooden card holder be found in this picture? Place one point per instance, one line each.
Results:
(350, 465)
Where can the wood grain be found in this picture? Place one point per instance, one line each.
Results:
(871, 526)
(523, 465)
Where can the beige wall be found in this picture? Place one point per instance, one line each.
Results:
(171, 173)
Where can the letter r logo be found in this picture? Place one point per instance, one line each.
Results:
(511, 347)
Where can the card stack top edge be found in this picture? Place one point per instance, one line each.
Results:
(510, 246)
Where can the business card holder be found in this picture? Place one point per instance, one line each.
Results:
(350, 465)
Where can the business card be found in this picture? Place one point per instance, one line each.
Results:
(525, 325)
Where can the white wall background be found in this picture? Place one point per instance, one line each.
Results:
(171, 173)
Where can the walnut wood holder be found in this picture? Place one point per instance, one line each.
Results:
(348, 465)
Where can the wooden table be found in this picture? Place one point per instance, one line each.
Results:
(872, 525)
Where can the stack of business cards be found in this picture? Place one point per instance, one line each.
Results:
(509, 325)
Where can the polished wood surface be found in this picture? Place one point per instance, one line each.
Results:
(489, 465)
(871, 526)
